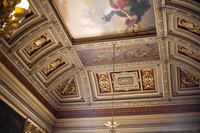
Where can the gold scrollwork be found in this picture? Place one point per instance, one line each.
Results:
(68, 87)
(37, 44)
(148, 79)
(126, 81)
(104, 82)
(53, 66)
(188, 79)
(191, 54)
(182, 23)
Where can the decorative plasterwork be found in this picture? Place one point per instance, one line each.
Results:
(36, 49)
(68, 91)
(189, 26)
(176, 11)
(52, 17)
(159, 16)
(184, 82)
(50, 68)
(185, 51)
(68, 87)
(127, 111)
(188, 5)
(37, 44)
(187, 80)
(130, 84)
(104, 82)
(39, 27)
(182, 23)
(148, 79)
(127, 81)
(31, 128)
(189, 53)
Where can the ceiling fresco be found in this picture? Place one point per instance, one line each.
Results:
(106, 18)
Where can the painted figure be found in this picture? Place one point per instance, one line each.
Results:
(133, 10)
(112, 10)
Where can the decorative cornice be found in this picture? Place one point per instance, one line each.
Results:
(129, 111)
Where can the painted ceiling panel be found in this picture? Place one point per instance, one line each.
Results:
(92, 18)
(123, 54)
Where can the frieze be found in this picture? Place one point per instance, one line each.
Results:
(189, 26)
(37, 44)
(124, 54)
(141, 102)
(189, 53)
(68, 87)
(53, 66)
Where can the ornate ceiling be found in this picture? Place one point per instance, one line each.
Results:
(63, 53)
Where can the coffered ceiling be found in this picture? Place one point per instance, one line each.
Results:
(63, 53)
